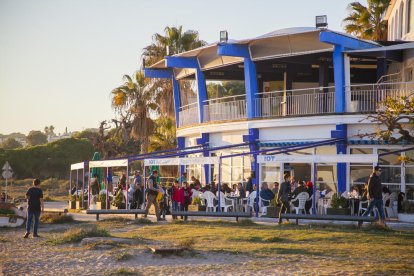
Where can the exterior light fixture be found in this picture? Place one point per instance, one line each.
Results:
(224, 36)
(321, 21)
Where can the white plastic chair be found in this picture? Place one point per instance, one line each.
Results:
(361, 210)
(225, 203)
(209, 197)
(301, 198)
(262, 206)
(249, 207)
(389, 212)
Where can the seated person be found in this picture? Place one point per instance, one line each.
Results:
(240, 191)
(300, 189)
(309, 189)
(266, 194)
(275, 188)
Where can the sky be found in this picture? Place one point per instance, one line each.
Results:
(59, 60)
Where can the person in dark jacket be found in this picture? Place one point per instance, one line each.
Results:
(266, 194)
(284, 196)
(375, 195)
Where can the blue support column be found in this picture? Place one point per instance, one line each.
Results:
(181, 145)
(250, 74)
(205, 140)
(187, 62)
(339, 75)
(167, 74)
(252, 138)
(342, 43)
(341, 132)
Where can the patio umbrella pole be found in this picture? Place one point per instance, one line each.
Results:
(107, 186)
(83, 181)
(76, 185)
(70, 185)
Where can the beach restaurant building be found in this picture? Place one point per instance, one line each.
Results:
(290, 87)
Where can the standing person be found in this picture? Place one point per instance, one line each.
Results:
(284, 195)
(138, 188)
(35, 205)
(375, 195)
(185, 197)
(152, 193)
(183, 178)
(175, 197)
(123, 181)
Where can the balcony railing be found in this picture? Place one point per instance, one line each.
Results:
(366, 97)
(307, 101)
(188, 115)
(226, 108)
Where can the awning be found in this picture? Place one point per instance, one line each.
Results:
(182, 161)
(338, 158)
(108, 163)
(77, 166)
(276, 44)
(392, 52)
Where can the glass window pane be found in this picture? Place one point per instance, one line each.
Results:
(361, 151)
(409, 175)
(410, 155)
(390, 159)
(270, 174)
(326, 150)
(219, 89)
(326, 176)
(360, 174)
(391, 175)
(188, 92)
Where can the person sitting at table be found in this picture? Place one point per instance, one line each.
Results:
(275, 189)
(240, 191)
(195, 181)
(309, 189)
(225, 189)
(299, 189)
(266, 194)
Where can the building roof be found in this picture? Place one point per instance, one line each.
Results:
(277, 44)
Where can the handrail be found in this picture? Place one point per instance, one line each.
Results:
(399, 74)
(379, 84)
(319, 88)
(188, 106)
(223, 98)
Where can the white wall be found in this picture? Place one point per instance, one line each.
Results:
(222, 139)
(296, 133)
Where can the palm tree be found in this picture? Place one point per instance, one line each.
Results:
(178, 41)
(134, 104)
(164, 135)
(367, 22)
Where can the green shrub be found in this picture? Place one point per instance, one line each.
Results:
(55, 218)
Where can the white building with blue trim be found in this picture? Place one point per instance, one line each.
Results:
(290, 87)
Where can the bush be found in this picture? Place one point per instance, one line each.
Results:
(338, 201)
(74, 235)
(56, 218)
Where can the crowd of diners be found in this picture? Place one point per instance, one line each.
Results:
(179, 195)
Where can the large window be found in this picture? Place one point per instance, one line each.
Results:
(359, 172)
(188, 92)
(410, 18)
(220, 89)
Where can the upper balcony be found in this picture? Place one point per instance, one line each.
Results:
(360, 98)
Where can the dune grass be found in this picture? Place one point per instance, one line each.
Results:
(342, 245)
(77, 234)
(56, 218)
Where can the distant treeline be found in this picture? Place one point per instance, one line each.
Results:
(48, 160)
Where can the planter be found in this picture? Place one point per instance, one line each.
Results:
(100, 205)
(197, 208)
(338, 211)
(72, 204)
(272, 212)
(113, 207)
(92, 206)
(79, 204)
(406, 217)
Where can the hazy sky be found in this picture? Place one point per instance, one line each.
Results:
(59, 60)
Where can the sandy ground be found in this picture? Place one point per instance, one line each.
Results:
(33, 257)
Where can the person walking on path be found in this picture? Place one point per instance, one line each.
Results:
(152, 193)
(35, 205)
(283, 196)
(375, 195)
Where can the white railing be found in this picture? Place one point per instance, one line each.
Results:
(307, 101)
(188, 115)
(367, 97)
(226, 108)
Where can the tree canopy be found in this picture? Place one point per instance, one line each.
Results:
(367, 22)
(11, 143)
(36, 137)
